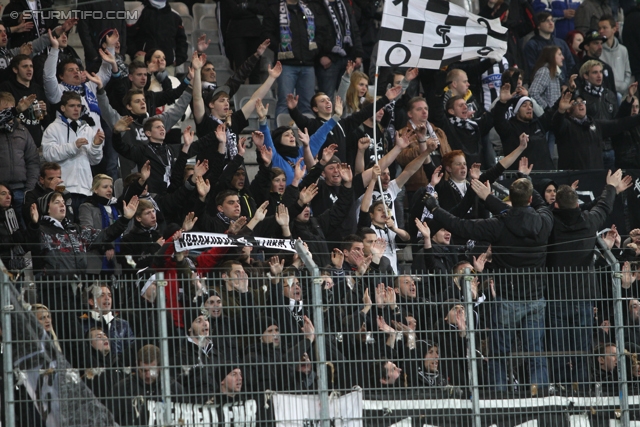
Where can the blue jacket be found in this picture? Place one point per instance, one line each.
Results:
(121, 336)
(315, 143)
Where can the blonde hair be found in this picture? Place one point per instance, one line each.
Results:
(97, 179)
(587, 66)
(353, 100)
(54, 337)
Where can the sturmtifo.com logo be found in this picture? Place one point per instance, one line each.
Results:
(76, 14)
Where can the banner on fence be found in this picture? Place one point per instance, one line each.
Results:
(304, 410)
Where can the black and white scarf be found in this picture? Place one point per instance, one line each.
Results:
(64, 224)
(464, 124)
(593, 90)
(285, 50)
(6, 119)
(224, 218)
(232, 146)
(341, 40)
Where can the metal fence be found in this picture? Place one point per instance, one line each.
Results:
(253, 346)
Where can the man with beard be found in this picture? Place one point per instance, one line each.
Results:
(524, 121)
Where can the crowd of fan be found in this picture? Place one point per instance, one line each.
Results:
(69, 130)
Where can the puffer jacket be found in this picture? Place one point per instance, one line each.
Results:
(61, 249)
(121, 336)
(19, 160)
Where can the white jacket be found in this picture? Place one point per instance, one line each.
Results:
(59, 145)
(618, 58)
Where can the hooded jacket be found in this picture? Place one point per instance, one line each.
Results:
(617, 57)
(27, 117)
(520, 239)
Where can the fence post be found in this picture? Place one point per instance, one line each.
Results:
(619, 329)
(9, 411)
(471, 340)
(164, 349)
(321, 357)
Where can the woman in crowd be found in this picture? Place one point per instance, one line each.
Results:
(99, 212)
(574, 39)
(547, 79)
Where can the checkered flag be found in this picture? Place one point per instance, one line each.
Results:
(434, 33)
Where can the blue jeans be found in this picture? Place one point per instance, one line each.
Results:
(16, 203)
(300, 79)
(609, 160)
(329, 79)
(506, 318)
(571, 329)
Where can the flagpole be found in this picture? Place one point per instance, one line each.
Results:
(375, 141)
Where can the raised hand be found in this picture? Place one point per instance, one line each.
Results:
(382, 325)
(35, 216)
(401, 141)
(424, 229)
(266, 154)
(350, 68)
(263, 47)
(338, 106)
(203, 43)
(572, 82)
(26, 49)
(345, 173)
(327, 153)
(107, 57)
(292, 101)
(54, 41)
(189, 221)
(394, 92)
(377, 249)
(524, 141)
(337, 258)
(187, 137)
(93, 77)
(565, 102)
(25, 103)
(282, 215)
(258, 138)
(625, 183)
(236, 226)
(299, 170)
(308, 329)
(482, 190)
(364, 143)
(275, 71)
(478, 263)
(411, 74)
(474, 171)
(241, 146)
(633, 89)
(201, 168)
(261, 110)
(304, 137)
(276, 265)
(525, 168)
(307, 194)
(203, 186)
(436, 176)
(221, 133)
(145, 171)
(129, 209)
(261, 212)
(614, 178)
(197, 61)
(380, 296)
(123, 124)
(376, 171)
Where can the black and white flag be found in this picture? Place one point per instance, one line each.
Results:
(434, 33)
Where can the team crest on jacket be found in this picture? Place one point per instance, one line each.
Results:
(593, 127)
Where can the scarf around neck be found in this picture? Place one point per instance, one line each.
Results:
(593, 90)
(467, 124)
(341, 40)
(285, 50)
(6, 119)
(89, 96)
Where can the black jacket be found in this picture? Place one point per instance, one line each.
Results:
(123, 405)
(302, 55)
(158, 29)
(327, 37)
(608, 81)
(519, 238)
(571, 246)
(141, 244)
(627, 144)
(236, 14)
(10, 19)
(631, 37)
(90, 30)
(27, 118)
(580, 145)
(510, 130)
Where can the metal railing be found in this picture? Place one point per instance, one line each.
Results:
(188, 355)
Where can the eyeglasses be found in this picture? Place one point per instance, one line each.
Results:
(583, 102)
